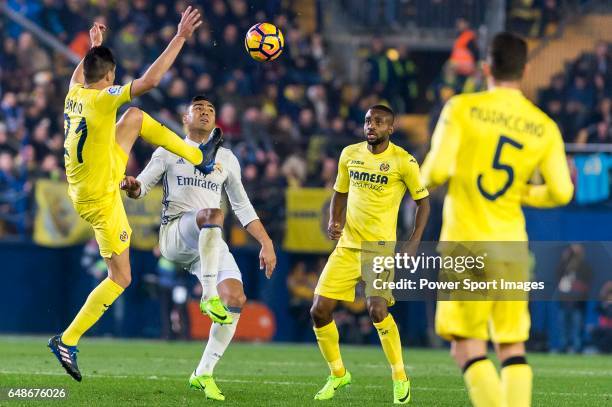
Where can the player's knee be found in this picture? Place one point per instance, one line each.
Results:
(133, 114)
(123, 280)
(210, 216)
(377, 311)
(320, 314)
(509, 350)
(235, 299)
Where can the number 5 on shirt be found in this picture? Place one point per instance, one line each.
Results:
(498, 165)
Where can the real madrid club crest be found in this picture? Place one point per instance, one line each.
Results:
(384, 167)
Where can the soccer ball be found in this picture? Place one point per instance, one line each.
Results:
(264, 42)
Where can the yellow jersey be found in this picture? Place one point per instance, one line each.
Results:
(488, 146)
(89, 146)
(376, 184)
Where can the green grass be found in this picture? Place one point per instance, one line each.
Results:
(154, 373)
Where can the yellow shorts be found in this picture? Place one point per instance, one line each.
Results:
(342, 273)
(500, 321)
(107, 217)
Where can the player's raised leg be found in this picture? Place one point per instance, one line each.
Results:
(516, 374)
(390, 340)
(326, 332)
(479, 373)
(135, 123)
(232, 294)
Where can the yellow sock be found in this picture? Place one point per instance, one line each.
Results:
(156, 133)
(483, 384)
(392, 346)
(329, 343)
(516, 382)
(97, 302)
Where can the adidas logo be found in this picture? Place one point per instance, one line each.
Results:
(181, 160)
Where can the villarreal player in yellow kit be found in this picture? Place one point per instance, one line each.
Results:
(373, 177)
(487, 146)
(96, 153)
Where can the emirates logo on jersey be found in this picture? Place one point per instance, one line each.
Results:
(123, 236)
(384, 167)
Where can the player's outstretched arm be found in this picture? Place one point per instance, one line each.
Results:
(190, 20)
(96, 36)
(337, 213)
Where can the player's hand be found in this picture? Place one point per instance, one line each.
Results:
(96, 34)
(334, 230)
(267, 259)
(131, 185)
(190, 20)
(411, 247)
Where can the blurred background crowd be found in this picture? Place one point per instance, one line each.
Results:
(288, 120)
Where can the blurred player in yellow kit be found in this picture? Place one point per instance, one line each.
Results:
(96, 152)
(488, 145)
(373, 177)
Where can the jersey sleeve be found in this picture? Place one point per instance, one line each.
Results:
(342, 179)
(239, 200)
(112, 98)
(439, 164)
(411, 175)
(153, 172)
(557, 189)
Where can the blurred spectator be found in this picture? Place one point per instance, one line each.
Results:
(294, 169)
(301, 283)
(601, 61)
(602, 333)
(127, 48)
(549, 14)
(464, 54)
(574, 279)
(30, 56)
(596, 133)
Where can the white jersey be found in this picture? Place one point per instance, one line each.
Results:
(187, 189)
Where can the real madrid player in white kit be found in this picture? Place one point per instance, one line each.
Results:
(190, 232)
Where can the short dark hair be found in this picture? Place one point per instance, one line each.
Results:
(385, 109)
(508, 56)
(97, 63)
(200, 98)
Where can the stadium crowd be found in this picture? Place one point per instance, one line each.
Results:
(268, 112)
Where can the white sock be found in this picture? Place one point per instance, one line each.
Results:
(218, 340)
(209, 244)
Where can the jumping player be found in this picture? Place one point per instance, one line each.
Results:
(96, 153)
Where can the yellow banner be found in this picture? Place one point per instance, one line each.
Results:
(307, 218)
(144, 217)
(57, 224)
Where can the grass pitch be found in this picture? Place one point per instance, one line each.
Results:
(154, 373)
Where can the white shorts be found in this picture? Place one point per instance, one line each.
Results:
(178, 242)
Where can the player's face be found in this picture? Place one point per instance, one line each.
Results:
(378, 127)
(201, 116)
